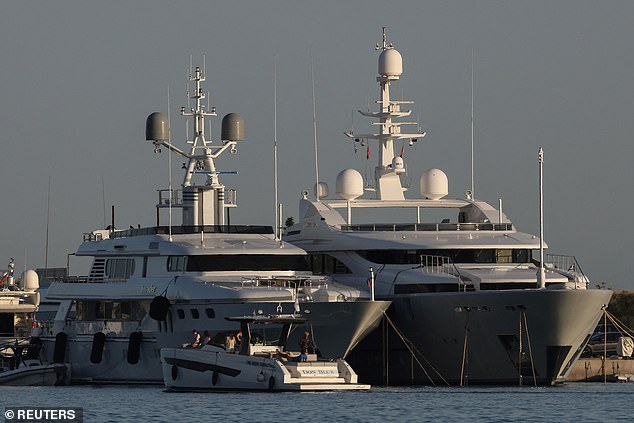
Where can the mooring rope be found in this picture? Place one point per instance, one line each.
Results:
(530, 350)
(464, 350)
(410, 346)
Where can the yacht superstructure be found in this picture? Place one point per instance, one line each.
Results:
(150, 287)
(462, 279)
(18, 302)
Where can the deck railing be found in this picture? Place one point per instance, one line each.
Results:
(429, 227)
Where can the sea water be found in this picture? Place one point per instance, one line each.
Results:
(575, 402)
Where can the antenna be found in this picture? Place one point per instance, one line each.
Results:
(169, 162)
(103, 199)
(472, 123)
(277, 212)
(48, 213)
(312, 74)
(541, 274)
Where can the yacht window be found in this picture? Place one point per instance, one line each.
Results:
(473, 255)
(119, 268)
(504, 255)
(323, 264)
(103, 310)
(246, 262)
(126, 311)
(176, 263)
(210, 313)
(181, 313)
(195, 314)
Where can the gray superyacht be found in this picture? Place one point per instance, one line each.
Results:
(470, 303)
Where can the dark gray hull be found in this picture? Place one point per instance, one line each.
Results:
(474, 337)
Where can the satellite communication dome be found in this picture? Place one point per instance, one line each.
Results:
(434, 184)
(321, 190)
(30, 281)
(397, 163)
(232, 128)
(157, 127)
(349, 184)
(390, 63)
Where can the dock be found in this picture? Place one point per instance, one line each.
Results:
(591, 370)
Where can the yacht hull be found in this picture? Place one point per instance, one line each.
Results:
(502, 337)
(337, 328)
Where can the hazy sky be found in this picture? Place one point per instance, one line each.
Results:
(78, 79)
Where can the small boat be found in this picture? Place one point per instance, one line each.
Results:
(20, 366)
(256, 365)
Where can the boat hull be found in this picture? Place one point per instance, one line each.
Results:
(337, 328)
(502, 337)
(216, 370)
(36, 375)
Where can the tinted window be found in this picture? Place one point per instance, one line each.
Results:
(242, 262)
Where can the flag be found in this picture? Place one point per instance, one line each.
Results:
(368, 153)
(4, 276)
(402, 150)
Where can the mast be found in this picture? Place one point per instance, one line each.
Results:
(389, 167)
(203, 202)
(541, 275)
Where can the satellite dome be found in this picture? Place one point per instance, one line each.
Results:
(397, 164)
(157, 127)
(349, 184)
(434, 184)
(390, 63)
(232, 127)
(321, 190)
(30, 281)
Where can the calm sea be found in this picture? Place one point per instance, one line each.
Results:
(578, 402)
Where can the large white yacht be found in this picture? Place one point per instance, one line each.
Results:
(469, 305)
(149, 288)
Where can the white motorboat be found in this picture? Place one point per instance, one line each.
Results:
(20, 365)
(470, 302)
(148, 288)
(256, 365)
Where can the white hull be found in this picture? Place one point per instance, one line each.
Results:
(215, 370)
(338, 326)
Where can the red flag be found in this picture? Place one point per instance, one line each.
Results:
(368, 153)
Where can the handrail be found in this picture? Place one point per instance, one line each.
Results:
(427, 227)
(567, 265)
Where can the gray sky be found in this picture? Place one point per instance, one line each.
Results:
(78, 79)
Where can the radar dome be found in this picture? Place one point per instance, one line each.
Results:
(30, 281)
(232, 127)
(157, 127)
(349, 184)
(397, 164)
(434, 184)
(321, 190)
(390, 63)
